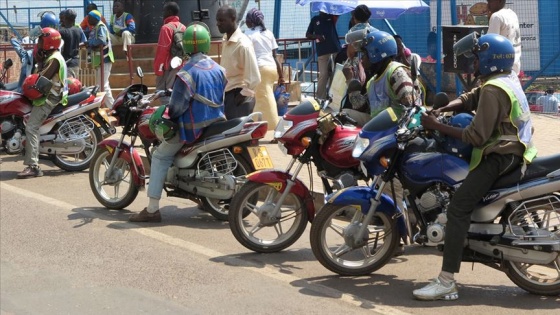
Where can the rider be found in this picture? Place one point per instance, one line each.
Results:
(196, 102)
(500, 134)
(52, 68)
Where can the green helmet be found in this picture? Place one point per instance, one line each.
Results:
(196, 38)
(163, 128)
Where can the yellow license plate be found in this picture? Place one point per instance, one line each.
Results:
(260, 158)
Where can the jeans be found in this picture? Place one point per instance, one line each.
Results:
(477, 183)
(162, 159)
(36, 119)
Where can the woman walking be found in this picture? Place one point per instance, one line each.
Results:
(265, 49)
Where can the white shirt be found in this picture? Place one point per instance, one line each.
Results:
(264, 43)
(505, 23)
(549, 103)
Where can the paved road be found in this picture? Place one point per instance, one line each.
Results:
(61, 253)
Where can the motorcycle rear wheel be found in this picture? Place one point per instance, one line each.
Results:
(109, 194)
(269, 238)
(219, 208)
(330, 248)
(79, 162)
(533, 278)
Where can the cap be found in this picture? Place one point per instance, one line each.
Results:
(95, 14)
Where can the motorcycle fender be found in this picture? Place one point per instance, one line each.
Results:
(278, 180)
(130, 155)
(361, 196)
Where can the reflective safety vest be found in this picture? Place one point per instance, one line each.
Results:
(107, 48)
(59, 84)
(519, 117)
(116, 27)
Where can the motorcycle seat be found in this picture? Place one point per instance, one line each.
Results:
(538, 168)
(218, 127)
(72, 100)
(12, 86)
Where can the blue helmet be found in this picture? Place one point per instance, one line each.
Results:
(456, 146)
(380, 45)
(48, 19)
(495, 52)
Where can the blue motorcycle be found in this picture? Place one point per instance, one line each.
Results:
(515, 228)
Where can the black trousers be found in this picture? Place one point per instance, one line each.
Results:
(237, 105)
(477, 183)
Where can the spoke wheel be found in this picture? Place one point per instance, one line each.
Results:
(331, 246)
(117, 192)
(219, 208)
(80, 161)
(256, 231)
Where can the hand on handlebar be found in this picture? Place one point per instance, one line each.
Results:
(429, 120)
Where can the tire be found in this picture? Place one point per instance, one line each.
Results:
(534, 278)
(326, 236)
(108, 194)
(79, 162)
(266, 238)
(218, 208)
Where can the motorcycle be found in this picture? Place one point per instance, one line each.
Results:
(271, 210)
(68, 136)
(204, 172)
(514, 229)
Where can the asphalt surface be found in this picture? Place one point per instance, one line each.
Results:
(62, 253)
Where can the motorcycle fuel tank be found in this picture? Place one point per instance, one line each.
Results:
(13, 103)
(337, 149)
(426, 167)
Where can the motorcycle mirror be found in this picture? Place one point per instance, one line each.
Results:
(7, 64)
(176, 62)
(413, 70)
(440, 100)
(139, 72)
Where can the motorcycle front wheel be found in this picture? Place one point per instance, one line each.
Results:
(80, 161)
(219, 208)
(331, 233)
(116, 191)
(256, 231)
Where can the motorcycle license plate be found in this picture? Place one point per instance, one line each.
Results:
(259, 156)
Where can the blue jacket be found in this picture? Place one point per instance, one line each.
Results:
(197, 99)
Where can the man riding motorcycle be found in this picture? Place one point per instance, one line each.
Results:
(196, 102)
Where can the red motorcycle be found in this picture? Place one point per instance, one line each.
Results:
(272, 208)
(68, 136)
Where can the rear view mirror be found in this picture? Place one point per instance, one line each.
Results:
(139, 72)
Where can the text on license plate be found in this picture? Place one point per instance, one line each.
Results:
(260, 158)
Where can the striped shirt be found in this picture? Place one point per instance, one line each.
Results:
(549, 103)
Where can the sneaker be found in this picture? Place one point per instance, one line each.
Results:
(30, 171)
(145, 216)
(437, 291)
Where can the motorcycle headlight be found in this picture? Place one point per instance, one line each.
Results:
(360, 146)
(282, 127)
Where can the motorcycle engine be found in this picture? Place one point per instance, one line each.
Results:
(433, 205)
(343, 180)
(12, 137)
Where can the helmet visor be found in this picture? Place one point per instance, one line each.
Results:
(357, 39)
(467, 45)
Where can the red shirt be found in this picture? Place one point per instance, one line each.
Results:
(165, 40)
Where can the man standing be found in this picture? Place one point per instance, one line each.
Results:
(165, 75)
(99, 40)
(322, 29)
(196, 102)
(86, 27)
(73, 37)
(548, 101)
(122, 26)
(52, 67)
(504, 21)
(240, 62)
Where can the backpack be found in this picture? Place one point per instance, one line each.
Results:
(177, 44)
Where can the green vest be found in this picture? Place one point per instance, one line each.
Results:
(59, 87)
(107, 48)
(519, 117)
(117, 28)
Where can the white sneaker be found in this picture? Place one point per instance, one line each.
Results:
(437, 291)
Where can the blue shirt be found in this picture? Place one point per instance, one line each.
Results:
(324, 25)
